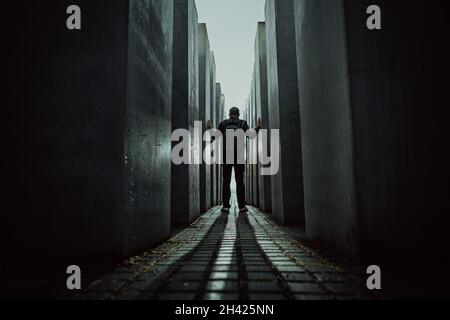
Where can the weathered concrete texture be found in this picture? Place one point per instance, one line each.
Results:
(185, 110)
(255, 167)
(247, 166)
(249, 171)
(222, 115)
(373, 127)
(204, 57)
(146, 219)
(287, 185)
(222, 106)
(218, 118)
(91, 160)
(326, 124)
(213, 118)
(262, 108)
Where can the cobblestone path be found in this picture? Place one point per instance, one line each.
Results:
(229, 257)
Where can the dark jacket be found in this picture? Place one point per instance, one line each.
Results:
(231, 124)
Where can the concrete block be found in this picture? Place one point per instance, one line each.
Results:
(146, 218)
(262, 108)
(217, 119)
(255, 167)
(204, 57)
(222, 114)
(90, 175)
(213, 119)
(373, 127)
(247, 166)
(326, 124)
(185, 206)
(222, 106)
(249, 171)
(287, 185)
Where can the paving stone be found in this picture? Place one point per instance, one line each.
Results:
(224, 276)
(249, 255)
(217, 296)
(202, 260)
(295, 269)
(177, 268)
(119, 276)
(314, 297)
(261, 276)
(143, 286)
(256, 264)
(308, 261)
(225, 264)
(225, 261)
(218, 285)
(187, 276)
(284, 263)
(276, 259)
(263, 286)
(344, 288)
(320, 268)
(193, 268)
(297, 277)
(305, 287)
(225, 268)
(183, 286)
(262, 268)
(192, 263)
(333, 277)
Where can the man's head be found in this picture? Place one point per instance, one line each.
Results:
(234, 113)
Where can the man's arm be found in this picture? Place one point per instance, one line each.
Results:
(258, 126)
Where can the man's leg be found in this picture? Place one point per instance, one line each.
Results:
(239, 171)
(226, 192)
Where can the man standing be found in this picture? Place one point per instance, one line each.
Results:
(233, 123)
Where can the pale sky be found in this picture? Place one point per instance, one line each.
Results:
(232, 29)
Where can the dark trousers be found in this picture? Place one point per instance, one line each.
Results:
(239, 170)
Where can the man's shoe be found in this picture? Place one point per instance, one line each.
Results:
(244, 209)
(225, 210)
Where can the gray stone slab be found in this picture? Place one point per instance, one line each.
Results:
(262, 108)
(204, 56)
(185, 206)
(369, 142)
(213, 118)
(95, 121)
(284, 113)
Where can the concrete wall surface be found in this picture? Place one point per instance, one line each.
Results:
(93, 142)
(262, 108)
(185, 109)
(284, 113)
(204, 58)
(373, 127)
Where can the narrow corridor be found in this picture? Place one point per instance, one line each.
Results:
(229, 257)
(111, 181)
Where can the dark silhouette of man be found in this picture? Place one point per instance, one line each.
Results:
(233, 123)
